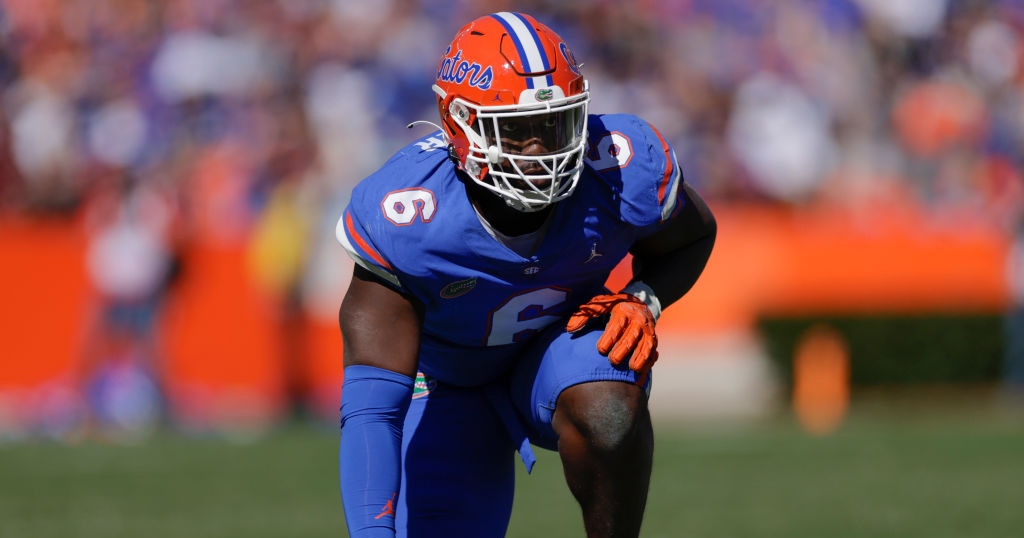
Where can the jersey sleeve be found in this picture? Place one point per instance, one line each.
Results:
(640, 165)
(381, 227)
(655, 197)
(352, 233)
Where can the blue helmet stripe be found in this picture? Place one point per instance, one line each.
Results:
(529, 47)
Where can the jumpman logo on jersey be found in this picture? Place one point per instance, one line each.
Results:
(594, 254)
(389, 508)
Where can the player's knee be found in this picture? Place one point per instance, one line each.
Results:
(609, 416)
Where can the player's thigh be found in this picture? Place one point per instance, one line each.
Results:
(458, 474)
(556, 362)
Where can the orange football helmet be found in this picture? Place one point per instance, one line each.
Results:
(513, 104)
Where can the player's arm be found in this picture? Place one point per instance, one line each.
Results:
(671, 260)
(381, 331)
(666, 265)
(380, 326)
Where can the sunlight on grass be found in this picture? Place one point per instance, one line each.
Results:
(930, 466)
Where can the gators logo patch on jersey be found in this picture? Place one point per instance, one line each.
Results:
(458, 288)
(423, 385)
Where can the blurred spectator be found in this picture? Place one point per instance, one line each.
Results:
(782, 138)
(42, 124)
(131, 264)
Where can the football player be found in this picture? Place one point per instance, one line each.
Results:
(477, 323)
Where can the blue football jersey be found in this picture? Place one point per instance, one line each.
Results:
(412, 224)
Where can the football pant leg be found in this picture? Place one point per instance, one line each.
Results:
(458, 474)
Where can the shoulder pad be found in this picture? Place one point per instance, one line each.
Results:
(639, 164)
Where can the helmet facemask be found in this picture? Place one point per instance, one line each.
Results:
(531, 153)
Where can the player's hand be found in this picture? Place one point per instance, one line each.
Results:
(629, 332)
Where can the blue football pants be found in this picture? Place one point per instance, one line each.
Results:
(458, 475)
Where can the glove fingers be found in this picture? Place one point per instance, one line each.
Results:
(650, 362)
(584, 314)
(645, 354)
(576, 322)
(625, 346)
(592, 310)
(612, 334)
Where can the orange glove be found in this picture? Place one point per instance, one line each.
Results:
(629, 331)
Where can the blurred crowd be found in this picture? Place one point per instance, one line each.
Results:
(216, 103)
(161, 123)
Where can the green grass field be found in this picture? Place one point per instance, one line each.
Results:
(895, 469)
